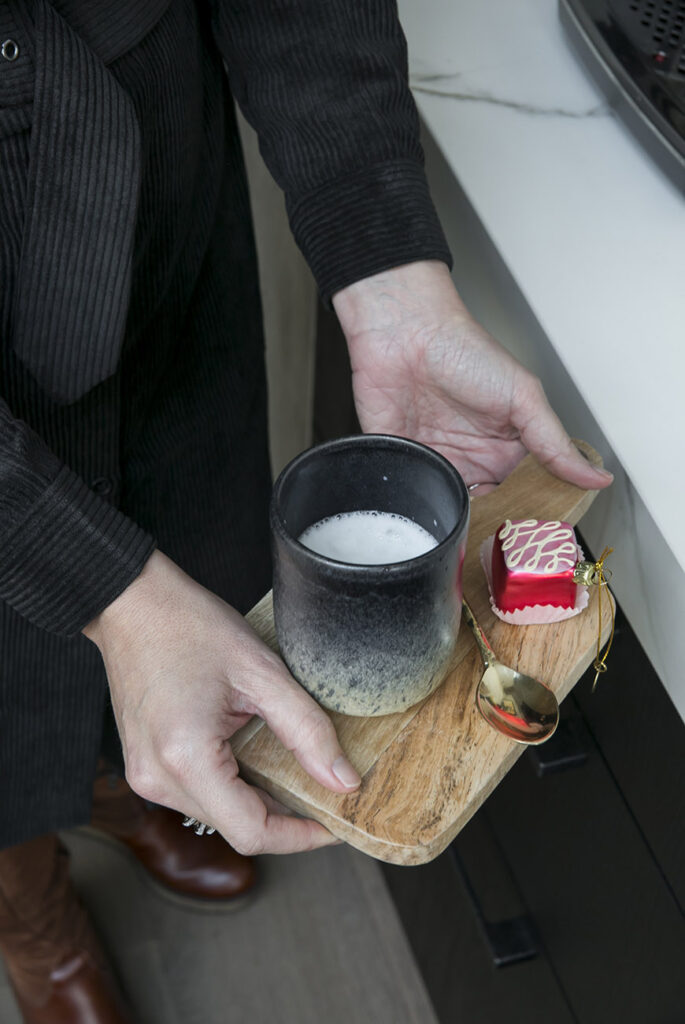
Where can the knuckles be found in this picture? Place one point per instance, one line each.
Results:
(146, 782)
(533, 390)
(152, 774)
(249, 846)
(313, 731)
(174, 754)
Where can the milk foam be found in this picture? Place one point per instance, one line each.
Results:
(368, 538)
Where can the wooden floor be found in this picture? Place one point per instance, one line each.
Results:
(321, 943)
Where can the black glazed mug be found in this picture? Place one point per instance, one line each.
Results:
(368, 639)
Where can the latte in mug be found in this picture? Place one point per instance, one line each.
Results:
(368, 537)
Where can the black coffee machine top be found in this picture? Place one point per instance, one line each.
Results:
(635, 49)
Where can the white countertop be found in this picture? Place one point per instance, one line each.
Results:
(590, 229)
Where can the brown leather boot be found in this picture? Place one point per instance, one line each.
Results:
(203, 870)
(55, 963)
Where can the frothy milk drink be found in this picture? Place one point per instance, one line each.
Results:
(368, 538)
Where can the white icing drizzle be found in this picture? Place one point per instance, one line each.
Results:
(536, 536)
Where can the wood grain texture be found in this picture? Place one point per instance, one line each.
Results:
(428, 769)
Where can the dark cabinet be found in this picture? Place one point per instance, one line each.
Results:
(583, 842)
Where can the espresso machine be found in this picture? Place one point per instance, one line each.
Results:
(635, 50)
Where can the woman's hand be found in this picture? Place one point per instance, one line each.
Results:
(185, 671)
(424, 369)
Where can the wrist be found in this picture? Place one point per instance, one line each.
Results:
(126, 611)
(404, 297)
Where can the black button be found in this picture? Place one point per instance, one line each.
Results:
(9, 50)
(102, 485)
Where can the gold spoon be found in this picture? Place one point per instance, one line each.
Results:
(522, 708)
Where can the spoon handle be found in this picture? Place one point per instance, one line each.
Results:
(486, 650)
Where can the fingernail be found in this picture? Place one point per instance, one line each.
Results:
(345, 773)
(605, 472)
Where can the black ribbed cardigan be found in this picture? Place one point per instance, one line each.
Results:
(132, 393)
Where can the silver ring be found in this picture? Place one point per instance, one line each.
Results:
(483, 483)
(198, 827)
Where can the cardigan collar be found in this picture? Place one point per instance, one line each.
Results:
(111, 27)
(74, 278)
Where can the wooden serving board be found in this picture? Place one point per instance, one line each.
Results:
(426, 770)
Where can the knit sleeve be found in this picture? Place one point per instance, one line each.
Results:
(66, 553)
(324, 83)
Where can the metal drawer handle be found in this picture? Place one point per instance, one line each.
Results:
(567, 749)
(510, 941)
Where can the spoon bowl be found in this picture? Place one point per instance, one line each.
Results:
(515, 704)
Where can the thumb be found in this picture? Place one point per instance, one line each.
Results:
(303, 728)
(544, 436)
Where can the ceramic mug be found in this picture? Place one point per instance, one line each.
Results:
(368, 639)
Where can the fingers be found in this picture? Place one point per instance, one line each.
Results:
(272, 805)
(305, 729)
(251, 822)
(209, 789)
(543, 434)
